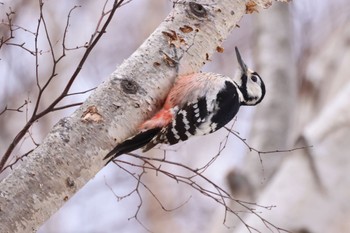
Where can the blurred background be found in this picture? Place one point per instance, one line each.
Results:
(301, 50)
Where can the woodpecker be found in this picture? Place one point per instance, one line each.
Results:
(197, 104)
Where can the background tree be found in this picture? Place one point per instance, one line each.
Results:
(306, 181)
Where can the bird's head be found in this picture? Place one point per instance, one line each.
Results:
(249, 83)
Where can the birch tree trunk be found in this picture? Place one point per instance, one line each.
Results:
(72, 152)
(324, 113)
(273, 118)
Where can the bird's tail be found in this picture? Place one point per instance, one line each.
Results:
(133, 143)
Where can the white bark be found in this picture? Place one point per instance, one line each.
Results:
(274, 116)
(72, 152)
(273, 119)
(300, 203)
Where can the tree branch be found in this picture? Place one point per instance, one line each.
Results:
(193, 178)
(36, 115)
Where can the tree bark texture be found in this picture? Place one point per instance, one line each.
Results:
(72, 152)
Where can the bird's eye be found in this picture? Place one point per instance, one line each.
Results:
(254, 78)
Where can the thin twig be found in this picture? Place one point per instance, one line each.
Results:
(66, 106)
(267, 151)
(81, 92)
(64, 48)
(17, 159)
(19, 109)
(21, 46)
(220, 195)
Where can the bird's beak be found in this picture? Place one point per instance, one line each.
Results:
(240, 61)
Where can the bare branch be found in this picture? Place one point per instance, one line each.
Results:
(52, 107)
(66, 106)
(219, 195)
(268, 151)
(21, 46)
(81, 92)
(4, 40)
(64, 48)
(17, 159)
(222, 146)
(19, 109)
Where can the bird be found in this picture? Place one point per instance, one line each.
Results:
(197, 104)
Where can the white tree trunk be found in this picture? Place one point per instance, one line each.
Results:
(272, 118)
(72, 152)
(301, 204)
